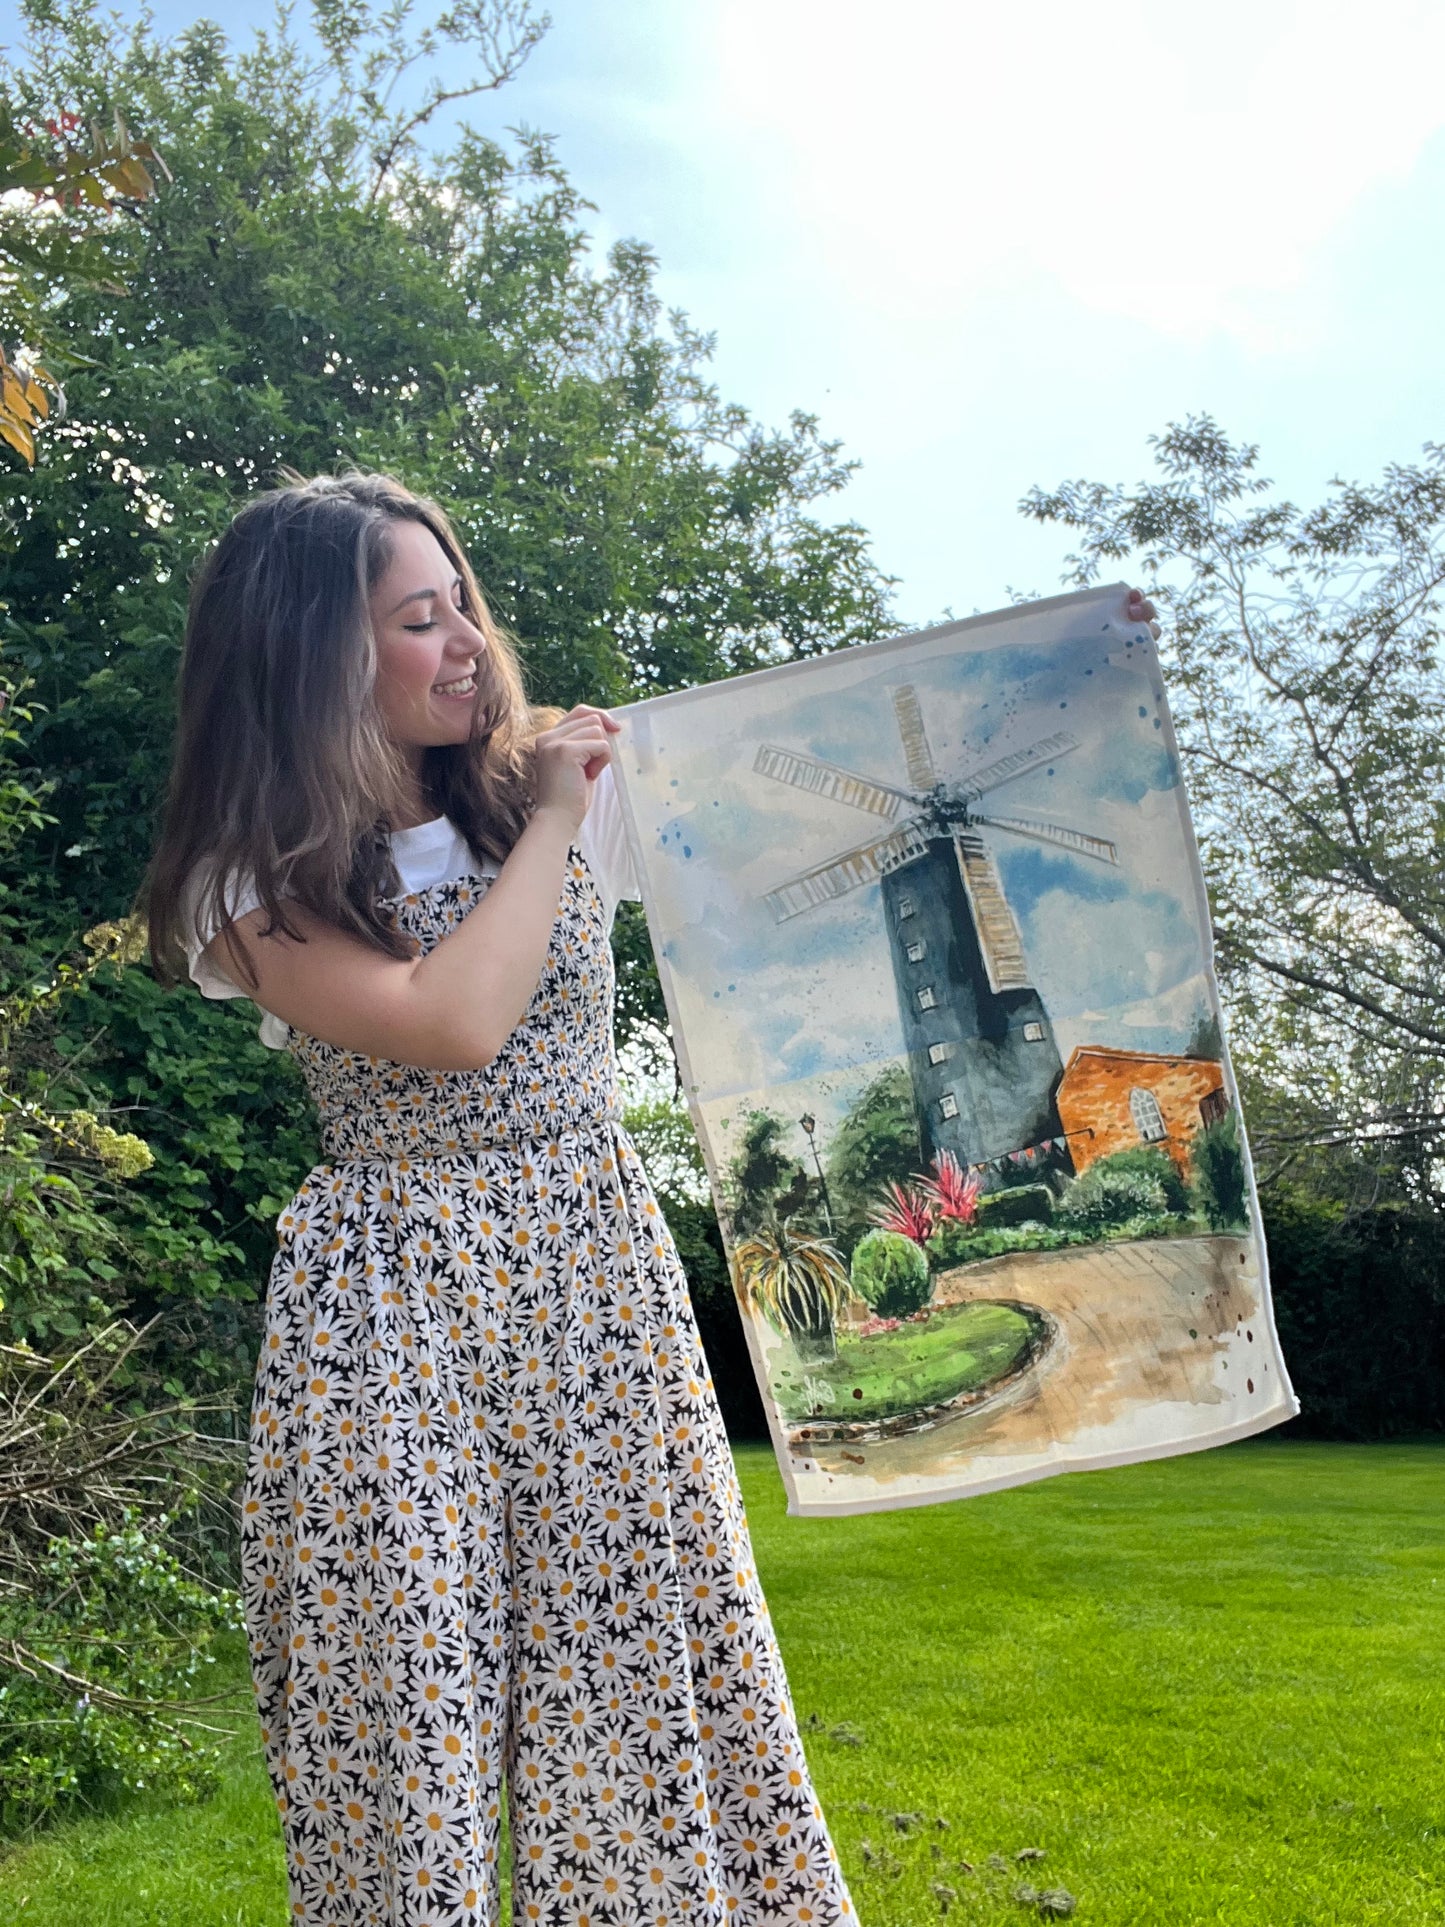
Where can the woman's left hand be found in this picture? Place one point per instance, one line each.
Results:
(1141, 609)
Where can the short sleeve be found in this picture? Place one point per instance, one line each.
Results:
(200, 924)
(208, 977)
(604, 844)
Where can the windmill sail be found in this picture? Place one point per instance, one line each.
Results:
(845, 873)
(829, 781)
(917, 754)
(1078, 841)
(998, 934)
(1047, 750)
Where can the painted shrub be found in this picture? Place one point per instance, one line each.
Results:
(891, 1273)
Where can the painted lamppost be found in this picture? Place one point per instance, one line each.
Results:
(810, 1125)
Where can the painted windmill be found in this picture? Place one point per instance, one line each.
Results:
(981, 1049)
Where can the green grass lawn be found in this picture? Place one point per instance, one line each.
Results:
(956, 1349)
(1209, 1689)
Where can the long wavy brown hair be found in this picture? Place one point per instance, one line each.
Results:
(283, 773)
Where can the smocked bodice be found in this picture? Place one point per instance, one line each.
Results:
(555, 1074)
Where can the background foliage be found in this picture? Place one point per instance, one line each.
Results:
(1308, 693)
(304, 275)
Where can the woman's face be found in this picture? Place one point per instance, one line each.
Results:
(426, 648)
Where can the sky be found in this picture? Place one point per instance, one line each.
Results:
(799, 1015)
(994, 247)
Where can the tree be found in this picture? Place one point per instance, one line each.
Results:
(451, 325)
(51, 244)
(1306, 680)
(312, 288)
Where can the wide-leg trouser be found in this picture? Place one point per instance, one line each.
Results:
(492, 1535)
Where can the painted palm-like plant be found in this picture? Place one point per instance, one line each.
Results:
(799, 1283)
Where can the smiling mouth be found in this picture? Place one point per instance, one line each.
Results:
(463, 686)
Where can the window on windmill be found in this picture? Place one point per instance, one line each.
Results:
(1212, 1107)
(948, 1105)
(916, 951)
(905, 908)
(926, 998)
(939, 1053)
(1148, 1118)
(1033, 1033)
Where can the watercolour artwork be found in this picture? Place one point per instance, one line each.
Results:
(934, 942)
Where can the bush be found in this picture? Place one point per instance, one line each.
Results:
(953, 1245)
(891, 1273)
(116, 1612)
(1107, 1194)
(1360, 1306)
(1024, 1204)
(1219, 1189)
(1156, 1224)
(1154, 1163)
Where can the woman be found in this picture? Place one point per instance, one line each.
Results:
(491, 1529)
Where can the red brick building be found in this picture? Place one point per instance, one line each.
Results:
(1116, 1100)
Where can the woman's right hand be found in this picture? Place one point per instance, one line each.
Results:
(570, 757)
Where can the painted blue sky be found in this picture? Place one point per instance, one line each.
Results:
(794, 1014)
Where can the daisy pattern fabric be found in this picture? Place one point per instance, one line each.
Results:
(493, 1543)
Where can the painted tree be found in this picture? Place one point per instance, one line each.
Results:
(760, 1173)
(875, 1145)
(798, 1282)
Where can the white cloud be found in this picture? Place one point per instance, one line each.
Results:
(1150, 161)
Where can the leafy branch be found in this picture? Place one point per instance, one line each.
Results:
(1310, 705)
(76, 176)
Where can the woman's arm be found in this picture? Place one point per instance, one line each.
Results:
(453, 1009)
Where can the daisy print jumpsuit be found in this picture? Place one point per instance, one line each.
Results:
(492, 1536)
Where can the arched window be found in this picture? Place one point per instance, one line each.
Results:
(1147, 1116)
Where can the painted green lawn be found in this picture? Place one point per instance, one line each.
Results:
(958, 1348)
(1209, 1689)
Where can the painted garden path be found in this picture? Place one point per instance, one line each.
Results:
(1150, 1327)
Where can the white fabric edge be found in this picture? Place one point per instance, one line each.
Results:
(1287, 1408)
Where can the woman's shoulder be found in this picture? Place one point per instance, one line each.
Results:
(209, 901)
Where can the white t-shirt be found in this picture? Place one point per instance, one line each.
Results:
(436, 852)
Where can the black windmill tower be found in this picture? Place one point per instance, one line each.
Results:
(981, 1049)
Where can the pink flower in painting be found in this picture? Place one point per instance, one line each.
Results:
(953, 1192)
(910, 1212)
